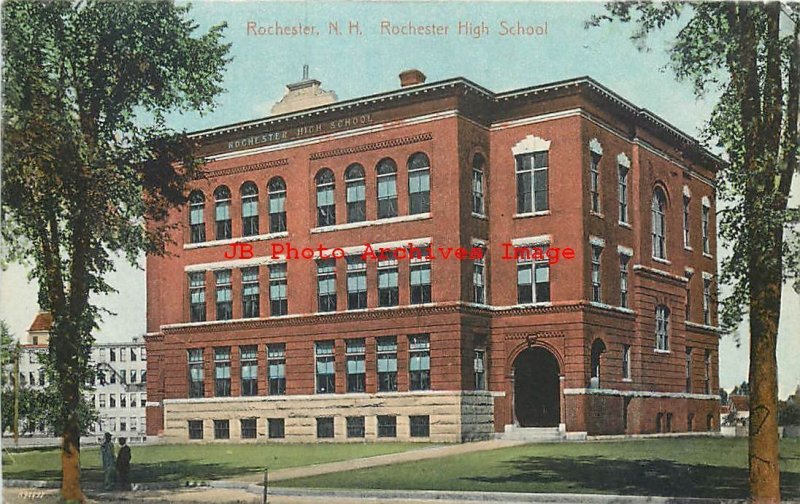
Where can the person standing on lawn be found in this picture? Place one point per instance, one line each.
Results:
(124, 465)
(107, 454)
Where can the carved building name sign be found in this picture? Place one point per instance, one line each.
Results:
(300, 131)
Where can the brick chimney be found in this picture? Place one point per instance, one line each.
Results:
(411, 77)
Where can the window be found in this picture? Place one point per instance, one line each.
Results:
(112, 354)
(355, 193)
(123, 356)
(133, 400)
(419, 184)
(222, 371)
(326, 206)
(102, 401)
(479, 367)
(326, 369)
(478, 280)
(594, 181)
(112, 400)
(660, 422)
(222, 429)
(143, 376)
(669, 423)
(420, 426)
(277, 205)
(144, 354)
(356, 283)
(710, 422)
(420, 279)
(248, 428)
(195, 429)
(222, 213)
(278, 303)
(707, 373)
(532, 184)
(133, 376)
(686, 235)
(123, 425)
(355, 427)
(224, 295)
(622, 182)
(387, 426)
(659, 231)
(275, 428)
(690, 422)
(325, 427)
(419, 362)
(598, 349)
(196, 388)
(386, 351)
(356, 365)
(662, 328)
(704, 228)
(133, 355)
(113, 377)
(276, 368)
(32, 378)
(249, 209)
(250, 301)
(326, 285)
(248, 357)
(533, 276)
(623, 280)
(596, 288)
(707, 301)
(197, 223)
(387, 188)
(689, 275)
(388, 291)
(197, 299)
(688, 369)
(134, 423)
(478, 202)
(626, 362)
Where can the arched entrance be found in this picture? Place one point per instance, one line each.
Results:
(537, 393)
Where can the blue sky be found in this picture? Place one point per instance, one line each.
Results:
(354, 66)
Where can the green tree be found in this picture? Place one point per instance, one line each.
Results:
(749, 52)
(90, 166)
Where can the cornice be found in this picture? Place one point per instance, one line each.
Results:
(385, 144)
(246, 168)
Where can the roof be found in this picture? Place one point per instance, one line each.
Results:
(740, 402)
(42, 322)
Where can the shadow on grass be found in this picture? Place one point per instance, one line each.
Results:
(634, 477)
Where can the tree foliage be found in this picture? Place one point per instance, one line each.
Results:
(90, 165)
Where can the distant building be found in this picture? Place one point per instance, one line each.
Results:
(120, 390)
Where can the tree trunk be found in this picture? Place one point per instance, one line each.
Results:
(71, 451)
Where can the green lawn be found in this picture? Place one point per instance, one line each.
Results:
(196, 462)
(678, 467)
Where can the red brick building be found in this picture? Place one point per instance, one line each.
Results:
(621, 338)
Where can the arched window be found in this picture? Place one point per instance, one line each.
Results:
(356, 193)
(387, 188)
(326, 206)
(277, 205)
(595, 154)
(419, 184)
(658, 210)
(222, 212)
(478, 206)
(662, 328)
(249, 209)
(598, 348)
(197, 222)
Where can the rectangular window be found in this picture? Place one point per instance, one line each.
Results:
(325, 427)
(419, 190)
(387, 426)
(686, 235)
(356, 365)
(386, 351)
(224, 295)
(112, 354)
(594, 181)
(478, 280)
(387, 195)
(477, 192)
(277, 208)
(420, 278)
(123, 401)
(688, 369)
(248, 356)
(278, 302)
(222, 429)
(479, 367)
(133, 400)
(197, 226)
(102, 401)
(419, 362)
(250, 301)
(356, 195)
(133, 355)
(144, 354)
(326, 369)
(196, 388)
(662, 328)
(197, 299)
(143, 376)
(112, 400)
(626, 362)
(689, 276)
(707, 301)
(704, 228)
(326, 285)
(123, 356)
(623, 280)
(533, 276)
(326, 206)
(195, 429)
(597, 251)
(275, 428)
(532, 182)
(355, 427)
(420, 426)
(388, 291)
(276, 365)
(222, 371)
(707, 373)
(622, 174)
(248, 428)
(123, 424)
(222, 215)
(356, 283)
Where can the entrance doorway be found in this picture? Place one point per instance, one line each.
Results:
(537, 395)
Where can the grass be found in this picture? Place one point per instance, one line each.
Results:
(195, 462)
(678, 467)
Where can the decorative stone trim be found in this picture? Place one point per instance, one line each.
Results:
(596, 240)
(385, 144)
(660, 273)
(535, 335)
(703, 327)
(640, 393)
(240, 239)
(628, 251)
(686, 191)
(532, 240)
(376, 222)
(622, 159)
(246, 168)
(595, 147)
(531, 144)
